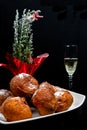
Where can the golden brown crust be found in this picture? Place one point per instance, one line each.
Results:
(47, 85)
(16, 108)
(64, 99)
(23, 85)
(44, 99)
(4, 93)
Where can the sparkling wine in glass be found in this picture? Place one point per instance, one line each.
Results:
(70, 61)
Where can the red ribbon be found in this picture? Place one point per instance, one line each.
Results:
(15, 66)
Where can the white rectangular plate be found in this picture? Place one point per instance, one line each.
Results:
(78, 101)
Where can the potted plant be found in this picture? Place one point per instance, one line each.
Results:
(21, 60)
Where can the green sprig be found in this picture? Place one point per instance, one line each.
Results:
(23, 36)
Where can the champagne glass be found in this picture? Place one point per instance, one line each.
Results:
(70, 61)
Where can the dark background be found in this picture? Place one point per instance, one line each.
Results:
(65, 21)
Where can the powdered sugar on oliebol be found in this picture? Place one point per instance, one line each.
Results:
(21, 75)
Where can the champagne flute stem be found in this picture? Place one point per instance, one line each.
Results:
(70, 81)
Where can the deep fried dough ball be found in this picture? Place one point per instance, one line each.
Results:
(47, 85)
(4, 93)
(44, 100)
(23, 85)
(16, 108)
(64, 99)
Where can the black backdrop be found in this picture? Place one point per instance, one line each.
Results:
(65, 21)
